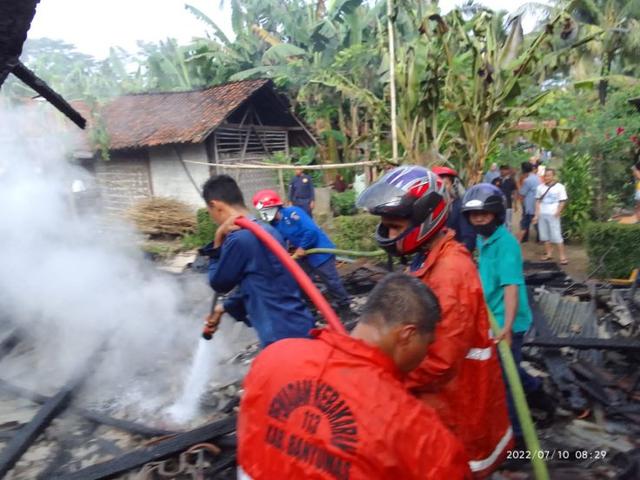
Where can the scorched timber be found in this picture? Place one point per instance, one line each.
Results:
(618, 344)
(100, 418)
(27, 434)
(162, 450)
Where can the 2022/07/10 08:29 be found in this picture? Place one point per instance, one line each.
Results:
(557, 453)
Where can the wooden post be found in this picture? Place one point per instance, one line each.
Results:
(283, 192)
(216, 158)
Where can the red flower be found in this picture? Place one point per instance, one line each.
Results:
(619, 130)
(634, 138)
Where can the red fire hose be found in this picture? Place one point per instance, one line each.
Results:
(290, 264)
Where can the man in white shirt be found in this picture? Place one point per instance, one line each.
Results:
(551, 198)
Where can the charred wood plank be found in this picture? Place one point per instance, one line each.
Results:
(54, 98)
(9, 342)
(565, 380)
(619, 344)
(224, 462)
(159, 451)
(100, 418)
(24, 437)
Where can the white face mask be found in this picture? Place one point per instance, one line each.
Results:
(268, 214)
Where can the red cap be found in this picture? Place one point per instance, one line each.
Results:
(266, 199)
(444, 171)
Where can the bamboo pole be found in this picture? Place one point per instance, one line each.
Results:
(275, 166)
(392, 83)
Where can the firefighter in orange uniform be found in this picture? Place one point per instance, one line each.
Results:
(335, 407)
(460, 377)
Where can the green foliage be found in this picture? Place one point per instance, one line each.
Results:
(610, 135)
(355, 232)
(160, 250)
(205, 231)
(98, 134)
(577, 178)
(507, 154)
(299, 156)
(613, 248)
(343, 203)
(75, 75)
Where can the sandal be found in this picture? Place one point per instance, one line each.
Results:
(564, 262)
(546, 258)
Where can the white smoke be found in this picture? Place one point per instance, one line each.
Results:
(75, 287)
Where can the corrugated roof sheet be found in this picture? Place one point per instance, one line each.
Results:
(145, 120)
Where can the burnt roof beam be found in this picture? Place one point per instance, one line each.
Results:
(31, 79)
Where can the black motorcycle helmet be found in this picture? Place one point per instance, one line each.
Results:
(485, 197)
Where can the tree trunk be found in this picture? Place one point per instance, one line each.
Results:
(329, 153)
(603, 85)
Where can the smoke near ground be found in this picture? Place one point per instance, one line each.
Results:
(75, 286)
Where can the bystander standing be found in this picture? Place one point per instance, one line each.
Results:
(530, 183)
(551, 198)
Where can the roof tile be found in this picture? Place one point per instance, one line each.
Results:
(144, 120)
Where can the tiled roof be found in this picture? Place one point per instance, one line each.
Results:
(144, 120)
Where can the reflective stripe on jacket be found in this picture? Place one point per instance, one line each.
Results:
(461, 377)
(335, 408)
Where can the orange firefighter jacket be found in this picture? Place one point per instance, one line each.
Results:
(461, 376)
(335, 408)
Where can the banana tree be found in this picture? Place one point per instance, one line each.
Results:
(479, 81)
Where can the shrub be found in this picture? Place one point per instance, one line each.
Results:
(205, 231)
(610, 135)
(343, 203)
(613, 248)
(577, 177)
(355, 232)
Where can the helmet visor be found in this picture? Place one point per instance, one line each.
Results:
(382, 198)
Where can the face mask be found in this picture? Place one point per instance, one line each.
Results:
(268, 214)
(486, 230)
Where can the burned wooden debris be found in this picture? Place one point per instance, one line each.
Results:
(96, 417)
(587, 336)
(24, 437)
(15, 21)
(584, 341)
(159, 451)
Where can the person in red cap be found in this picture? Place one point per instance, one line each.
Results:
(302, 233)
(334, 407)
(455, 220)
(461, 376)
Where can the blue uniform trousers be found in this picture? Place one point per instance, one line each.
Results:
(328, 274)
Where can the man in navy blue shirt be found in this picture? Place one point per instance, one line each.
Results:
(299, 229)
(267, 297)
(301, 192)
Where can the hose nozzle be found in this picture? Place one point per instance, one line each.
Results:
(209, 330)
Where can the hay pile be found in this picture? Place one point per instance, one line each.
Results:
(163, 217)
